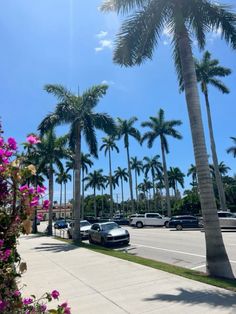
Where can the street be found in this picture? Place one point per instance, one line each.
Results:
(182, 248)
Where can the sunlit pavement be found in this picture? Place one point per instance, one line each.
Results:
(96, 283)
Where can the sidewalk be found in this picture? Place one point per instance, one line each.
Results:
(96, 283)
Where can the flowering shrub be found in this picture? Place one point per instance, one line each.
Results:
(17, 207)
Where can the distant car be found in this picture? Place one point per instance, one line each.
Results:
(84, 228)
(134, 216)
(108, 233)
(149, 219)
(60, 224)
(227, 219)
(185, 221)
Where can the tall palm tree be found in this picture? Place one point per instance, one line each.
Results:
(137, 166)
(108, 146)
(126, 129)
(155, 167)
(176, 176)
(78, 112)
(208, 71)
(232, 149)
(122, 174)
(95, 181)
(50, 152)
(60, 182)
(66, 177)
(159, 127)
(192, 171)
(223, 169)
(135, 43)
(85, 163)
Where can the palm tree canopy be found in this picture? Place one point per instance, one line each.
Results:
(153, 165)
(176, 176)
(208, 72)
(136, 165)
(125, 128)
(114, 181)
(232, 149)
(121, 174)
(140, 32)
(223, 169)
(109, 144)
(95, 180)
(78, 111)
(162, 128)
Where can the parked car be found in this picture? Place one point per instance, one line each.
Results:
(185, 221)
(227, 219)
(134, 216)
(149, 219)
(108, 233)
(60, 224)
(84, 228)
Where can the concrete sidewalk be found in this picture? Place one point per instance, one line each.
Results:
(96, 283)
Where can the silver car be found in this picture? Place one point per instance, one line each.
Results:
(108, 233)
(227, 219)
(84, 229)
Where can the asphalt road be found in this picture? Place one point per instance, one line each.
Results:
(182, 248)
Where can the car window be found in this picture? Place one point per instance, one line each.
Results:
(153, 216)
(95, 227)
(222, 215)
(110, 226)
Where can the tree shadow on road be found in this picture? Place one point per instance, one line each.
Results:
(56, 247)
(214, 298)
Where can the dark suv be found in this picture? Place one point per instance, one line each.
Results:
(185, 221)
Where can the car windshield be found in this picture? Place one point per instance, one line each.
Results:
(84, 223)
(109, 226)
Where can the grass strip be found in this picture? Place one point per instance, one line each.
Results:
(172, 269)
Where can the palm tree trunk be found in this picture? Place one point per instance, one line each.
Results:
(73, 205)
(216, 257)
(122, 194)
(110, 183)
(94, 203)
(136, 188)
(82, 200)
(130, 181)
(214, 157)
(65, 198)
(166, 180)
(102, 203)
(154, 198)
(60, 199)
(50, 190)
(77, 200)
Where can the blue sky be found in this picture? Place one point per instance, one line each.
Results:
(70, 42)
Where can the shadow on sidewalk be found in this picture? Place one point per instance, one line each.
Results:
(56, 247)
(215, 298)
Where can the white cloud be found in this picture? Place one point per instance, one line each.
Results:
(215, 34)
(107, 82)
(102, 34)
(104, 44)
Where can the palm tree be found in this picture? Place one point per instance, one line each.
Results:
(232, 149)
(50, 151)
(78, 112)
(192, 171)
(85, 163)
(137, 166)
(95, 181)
(223, 169)
(135, 43)
(155, 167)
(126, 129)
(176, 176)
(59, 181)
(161, 128)
(122, 174)
(66, 177)
(208, 71)
(108, 146)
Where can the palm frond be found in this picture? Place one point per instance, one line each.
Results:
(59, 91)
(122, 6)
(219, 85)
(91, 96)
(104, 122)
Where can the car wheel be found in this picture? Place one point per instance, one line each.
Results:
(166, 224)
(90, 239)
(179, 227)
(69, 235)
(139, 224)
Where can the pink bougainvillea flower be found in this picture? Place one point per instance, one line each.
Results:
(34, 202)
(55, 294)
(12, 143)
(17, 219)
(43, 308)
(27, 301)
(32, 139)
(17, 293)
(5, 160)
(41, 189)
(1, 243)
(31, 190)
(8, 154)
(23, 188)
(2, 169)
(2, 152)
(40, 217)
(46, 204)
(7, 253)
(1, 141)
(65, 308)
(3, 305)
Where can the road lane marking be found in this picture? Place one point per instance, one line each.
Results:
(200, 266)
(173, 251)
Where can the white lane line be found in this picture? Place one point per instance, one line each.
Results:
(200, 266)
(173, 251)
